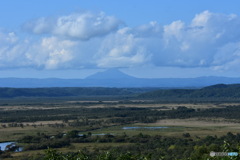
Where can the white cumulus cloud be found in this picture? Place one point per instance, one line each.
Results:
(51, 53)
(121, 49)
(83, 26)
(84, 40)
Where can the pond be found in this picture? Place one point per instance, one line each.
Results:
(3, 146)
(150, 128)
(97, 134)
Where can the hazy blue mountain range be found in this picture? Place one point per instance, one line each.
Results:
(116, 78)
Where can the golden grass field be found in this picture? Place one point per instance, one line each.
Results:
(196, 126)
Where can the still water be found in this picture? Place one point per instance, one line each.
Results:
(150, 128)
(3, 146)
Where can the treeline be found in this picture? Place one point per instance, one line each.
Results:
(71, 114)
(113, 115)
(69, 92)
(215, 92)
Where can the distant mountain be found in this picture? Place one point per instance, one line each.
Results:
(110, 74)
(116, 78)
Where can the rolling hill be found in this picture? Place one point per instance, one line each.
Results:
(215, 91)
(220, 91)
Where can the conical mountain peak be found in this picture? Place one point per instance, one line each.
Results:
(110, 74)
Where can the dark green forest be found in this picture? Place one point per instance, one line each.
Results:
(223, 91)
(119, 115)
(219, 91)
(69, 92)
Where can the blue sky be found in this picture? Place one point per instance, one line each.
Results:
(156, 38)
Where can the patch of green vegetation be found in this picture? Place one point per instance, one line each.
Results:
(137, 146)
(220, 92)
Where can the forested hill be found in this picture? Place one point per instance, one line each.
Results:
(69, 92)
(214, 91)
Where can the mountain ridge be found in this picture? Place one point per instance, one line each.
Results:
(116, 78)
